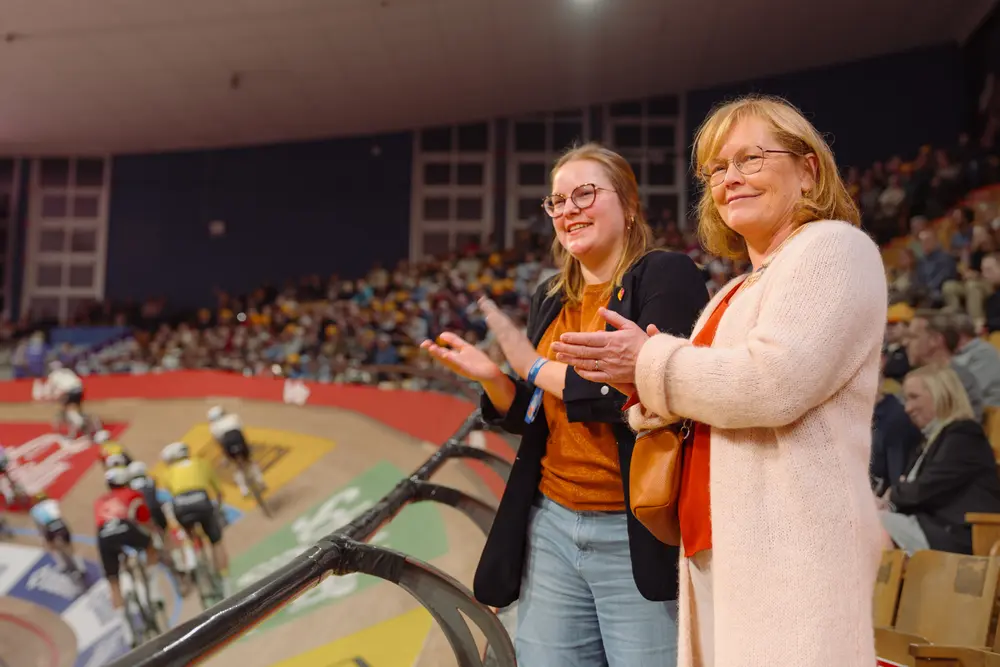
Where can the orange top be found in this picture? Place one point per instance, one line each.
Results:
(580, 469)
(694, 501)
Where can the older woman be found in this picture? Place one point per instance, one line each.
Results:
(781, 537)
(952, 473)
(594, 587)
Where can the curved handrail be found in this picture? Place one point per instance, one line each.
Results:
(344, 551)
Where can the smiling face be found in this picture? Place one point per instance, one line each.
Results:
(758, 205)
(596, 233)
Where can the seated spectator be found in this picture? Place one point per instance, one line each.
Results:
(932, 340)
(897, 364)
(991, 276)
(904, 284)
(953, 473)
(937, 272)
(894, 438)
(978, 357)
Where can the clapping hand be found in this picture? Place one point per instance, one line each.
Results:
(605, 356)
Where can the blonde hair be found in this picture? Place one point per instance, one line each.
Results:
(829, 198)
(951, 402)
(638, 235)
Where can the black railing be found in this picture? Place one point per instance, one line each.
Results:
(344, 551)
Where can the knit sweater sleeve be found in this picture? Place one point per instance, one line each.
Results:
(822, 313)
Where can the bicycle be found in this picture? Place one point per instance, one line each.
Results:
(139, 610)
(78, 575)
(256, 489)
(208, 582)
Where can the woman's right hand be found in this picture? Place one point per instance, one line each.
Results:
(463, 358)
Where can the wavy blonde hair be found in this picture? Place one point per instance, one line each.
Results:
(828, 200)
(638, 234)
(951, 402)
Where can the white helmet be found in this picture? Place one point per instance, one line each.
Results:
(175, 451)
(136, 469)
(117, 476)
(115, 461)
(101, 437)
(216, 413)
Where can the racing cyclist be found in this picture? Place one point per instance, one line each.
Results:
(227, 429)
(191, 483)
(47, 515)
(122, 518)
(113, 455)
(6, 483)
(67, 386)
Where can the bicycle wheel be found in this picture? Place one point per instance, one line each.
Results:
(204, 575)
(133, 607)
(255, 490)
(148, 609)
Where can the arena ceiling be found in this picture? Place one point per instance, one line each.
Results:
(140, 75)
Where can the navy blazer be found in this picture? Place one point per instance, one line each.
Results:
(662, 288)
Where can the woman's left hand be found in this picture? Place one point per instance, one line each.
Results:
(516, 346)
(605, 356)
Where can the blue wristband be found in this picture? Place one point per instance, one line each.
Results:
(536, 397)
(535, 367)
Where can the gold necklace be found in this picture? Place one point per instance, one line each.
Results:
(756, 274)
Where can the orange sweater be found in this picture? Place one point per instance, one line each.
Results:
(580, 469)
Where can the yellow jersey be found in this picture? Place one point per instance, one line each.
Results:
(191, 475)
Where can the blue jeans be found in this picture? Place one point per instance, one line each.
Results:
(579, 606)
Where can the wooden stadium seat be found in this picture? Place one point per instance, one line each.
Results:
(985, 533)
(887, 587)
(991, 424)
(994, 339)
(946, 599)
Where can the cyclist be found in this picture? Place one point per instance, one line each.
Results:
(67, 386)
(139, 479)
(6, 483)
(190, 482)
(122, 518)
(227, 429)
(112, 454)
(48, 518)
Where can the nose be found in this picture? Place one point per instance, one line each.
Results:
(733, 175)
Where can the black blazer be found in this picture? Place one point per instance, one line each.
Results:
(958, 475)
(663, 288)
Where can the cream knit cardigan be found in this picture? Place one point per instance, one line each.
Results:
(789, 389)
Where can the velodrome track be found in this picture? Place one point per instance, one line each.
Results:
(324, 465)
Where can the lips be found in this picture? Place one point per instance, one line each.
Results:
(577, 226)
(739, 197)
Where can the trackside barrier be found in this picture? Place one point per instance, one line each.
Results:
(344, 551)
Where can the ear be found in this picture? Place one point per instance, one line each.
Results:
(809, 172)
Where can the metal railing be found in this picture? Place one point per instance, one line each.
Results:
(345, 551)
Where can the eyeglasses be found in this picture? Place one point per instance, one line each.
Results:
(583, 196)
(748, 161)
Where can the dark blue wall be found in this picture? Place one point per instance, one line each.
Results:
(873, 108)
(290, 210)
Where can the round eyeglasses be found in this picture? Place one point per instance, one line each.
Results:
(747, 161)
(583, 196)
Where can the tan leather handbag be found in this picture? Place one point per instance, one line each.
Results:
(655, 480)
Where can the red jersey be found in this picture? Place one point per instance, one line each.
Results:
(124, 504)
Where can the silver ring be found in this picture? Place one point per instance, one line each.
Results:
(597, 364)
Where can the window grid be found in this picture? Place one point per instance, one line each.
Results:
(520, 215)
(445, 211)
(653, 164)
(67, 234)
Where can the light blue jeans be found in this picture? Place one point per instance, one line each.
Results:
(579, 606)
